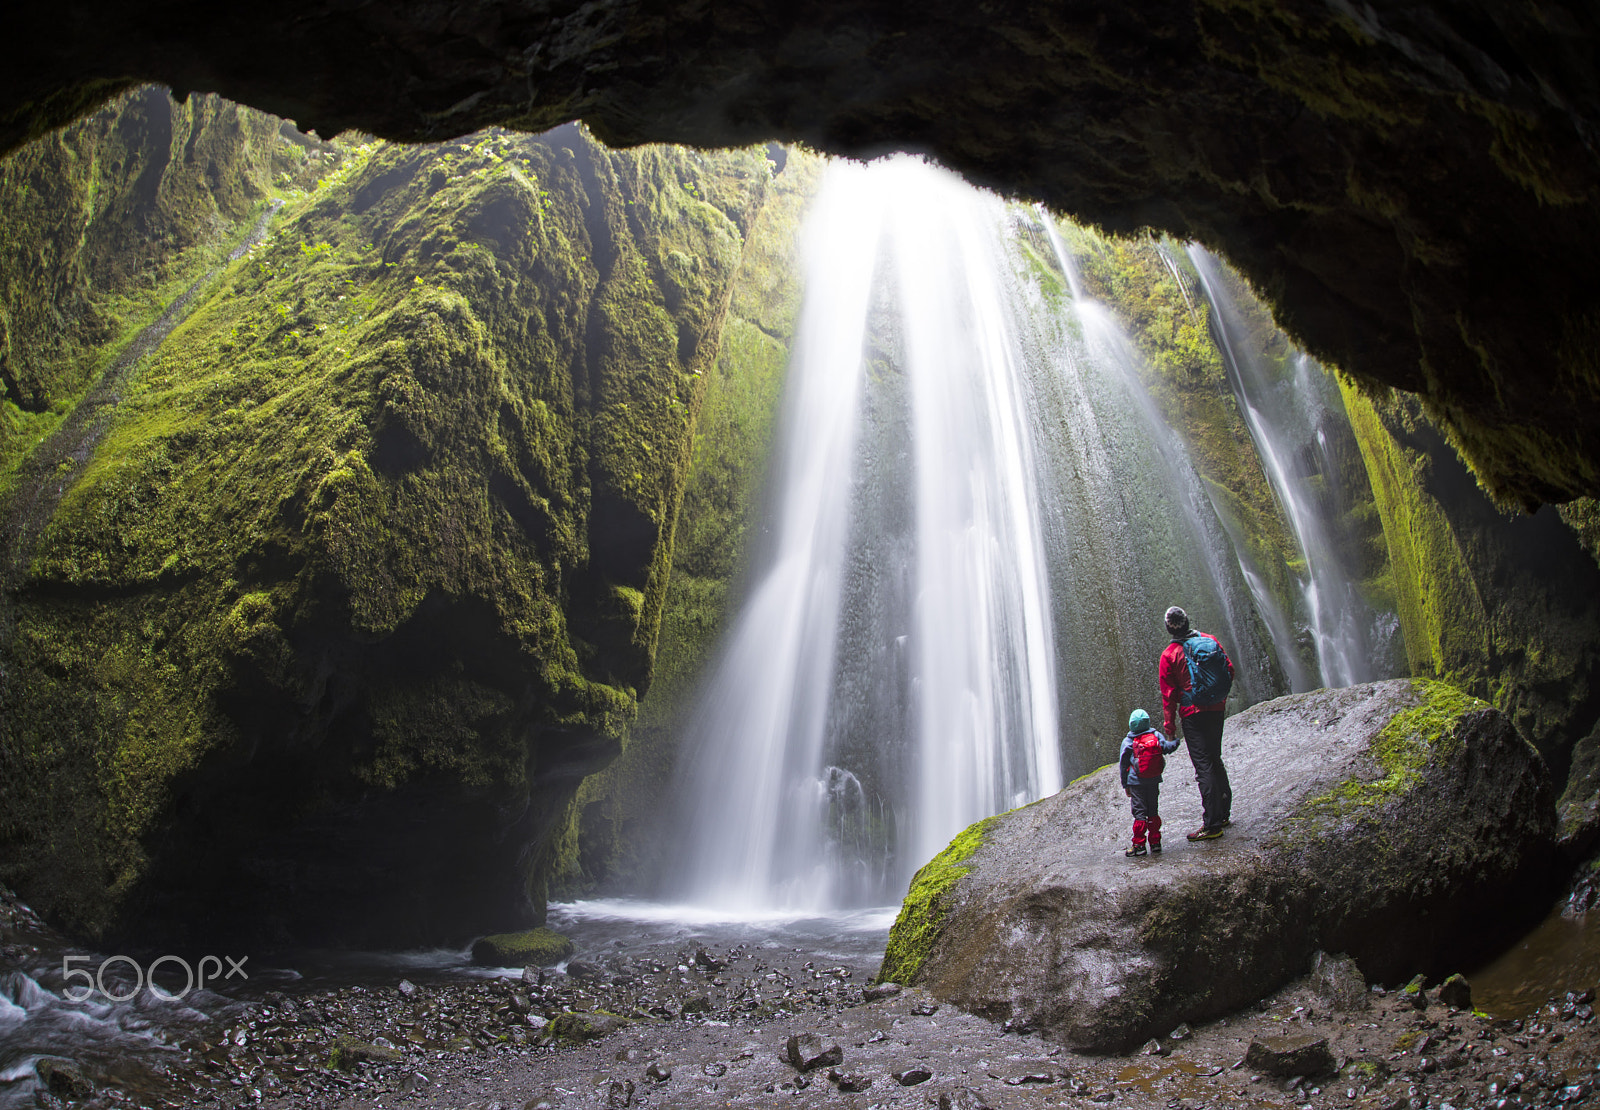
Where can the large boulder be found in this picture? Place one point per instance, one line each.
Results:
(1402, 822)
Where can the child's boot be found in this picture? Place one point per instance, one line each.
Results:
(1155, 836)
(1136, 850)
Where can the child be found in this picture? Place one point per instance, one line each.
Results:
(1144, 752)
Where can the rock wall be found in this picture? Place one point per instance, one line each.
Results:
(620, 823)
(367, 571)
(101, 225)
(1504, 606)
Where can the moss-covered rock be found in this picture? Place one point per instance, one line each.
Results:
(613, 837)
(1503, 606)
(347, 1052)
(367, 572)
(531, 948)
(577, 1027)
(1402, 822)
(923, 911)
(103, 223)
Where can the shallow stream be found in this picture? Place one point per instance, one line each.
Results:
(137, 1043)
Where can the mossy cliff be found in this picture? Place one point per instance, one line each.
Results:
(101, 225)
(612, 837)
(1503, 606)
(367, 572)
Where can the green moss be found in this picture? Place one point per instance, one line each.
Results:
(1501, 606)
(922, 914)
(460, 399)
(110, 219)
(532, 948)
(610, 834)
(1434, 589)
(1402, 749)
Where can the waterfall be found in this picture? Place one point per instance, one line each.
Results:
(754, 820)
(948, 638)
(1291, 410)
(976, 518)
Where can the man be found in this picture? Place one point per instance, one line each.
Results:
(1194, 686)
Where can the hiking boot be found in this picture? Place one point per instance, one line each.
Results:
(1203, 833)
(1226, 821)
(1136, 850)
(1155, 849)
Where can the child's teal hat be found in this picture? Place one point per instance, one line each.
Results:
(1138, 721)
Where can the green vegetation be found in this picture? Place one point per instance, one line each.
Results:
(923, 912)
(610, 835)
(437, 427)
(1414, 738)
(104, 223)
(1503, 608)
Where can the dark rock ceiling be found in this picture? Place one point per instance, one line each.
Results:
(1413, 184)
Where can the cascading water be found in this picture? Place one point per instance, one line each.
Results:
(1132, 529)
(985, 694)
(1293, 411)
(949, 634)
(755, 820)
(928, 581)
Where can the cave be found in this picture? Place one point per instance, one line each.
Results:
(391, 426)
(1413, 188)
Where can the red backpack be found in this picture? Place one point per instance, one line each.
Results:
(1147, 757)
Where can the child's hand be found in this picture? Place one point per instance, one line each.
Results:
(1128, 790)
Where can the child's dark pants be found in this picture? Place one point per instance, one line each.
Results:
(1146, 798)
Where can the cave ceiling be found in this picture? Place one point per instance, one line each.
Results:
(1413, 185)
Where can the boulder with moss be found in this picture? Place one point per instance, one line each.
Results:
(1401, 822)
(531, 948)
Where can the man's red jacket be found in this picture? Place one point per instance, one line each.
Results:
(1175, 683)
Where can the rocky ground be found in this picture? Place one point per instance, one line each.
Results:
(700, 1028)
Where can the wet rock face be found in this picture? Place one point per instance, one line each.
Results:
(1399, 822)
(420, 607)
(1414, 186)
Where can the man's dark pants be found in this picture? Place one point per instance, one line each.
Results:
(1203, 734)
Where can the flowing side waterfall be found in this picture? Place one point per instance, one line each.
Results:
(1288, 417)
(1156, 504)
(962, 649)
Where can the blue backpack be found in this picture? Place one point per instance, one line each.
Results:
(1209, 676)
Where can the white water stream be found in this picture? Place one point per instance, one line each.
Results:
(976, 518)
(773, 821)
(1286, 410)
